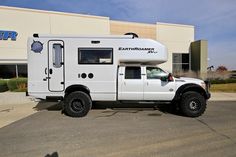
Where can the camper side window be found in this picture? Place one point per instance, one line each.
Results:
(95, 55)
(57, 55)
(132, 73)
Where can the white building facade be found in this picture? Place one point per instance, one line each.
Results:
(17, 24)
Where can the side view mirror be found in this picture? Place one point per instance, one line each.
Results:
(164, 78)
(168, 78)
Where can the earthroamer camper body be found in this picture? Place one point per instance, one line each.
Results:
(81, 70)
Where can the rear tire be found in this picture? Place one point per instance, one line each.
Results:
(192, 104)
(77, 104)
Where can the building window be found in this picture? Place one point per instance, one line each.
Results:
(95, 55)
(180, 62)
(22, 70)
(13, 70)
(132, 73)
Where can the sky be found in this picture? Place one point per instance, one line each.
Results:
(214, 20)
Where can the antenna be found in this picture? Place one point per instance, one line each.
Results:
(134, 35)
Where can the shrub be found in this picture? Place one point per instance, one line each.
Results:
(17, 84)
(223, 81)
(216, 75)
(3, 86)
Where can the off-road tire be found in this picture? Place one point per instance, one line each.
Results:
(77, 104)
(192, 104)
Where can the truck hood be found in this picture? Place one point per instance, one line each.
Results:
(189, 80)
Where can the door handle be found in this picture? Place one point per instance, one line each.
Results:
(124, 83)
(50, 71)
(45, 70)
(47, 78)
(147, 83)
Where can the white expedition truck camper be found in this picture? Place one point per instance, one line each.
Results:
(82, 70)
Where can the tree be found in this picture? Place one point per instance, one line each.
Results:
(221, 68)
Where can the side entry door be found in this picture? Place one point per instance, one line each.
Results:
(55, 69)
(130, 83)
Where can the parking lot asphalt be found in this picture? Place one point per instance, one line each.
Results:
(123, 132)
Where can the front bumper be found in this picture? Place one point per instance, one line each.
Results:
(208, 95)
(208, 85)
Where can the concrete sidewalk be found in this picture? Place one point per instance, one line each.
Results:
(15, 106)
(221, 96)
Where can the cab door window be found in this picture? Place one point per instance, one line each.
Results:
(132, 72)
(155, 73)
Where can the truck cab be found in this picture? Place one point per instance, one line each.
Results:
(144, 83)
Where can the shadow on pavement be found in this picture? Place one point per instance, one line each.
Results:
(163, 108)
(50, 106)
(54, 154)
(115, 107)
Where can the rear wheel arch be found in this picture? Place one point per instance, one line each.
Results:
(78, 87)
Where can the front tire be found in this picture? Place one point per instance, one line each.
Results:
(77, 104)
(192, 104)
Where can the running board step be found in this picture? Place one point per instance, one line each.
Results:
(144, 102)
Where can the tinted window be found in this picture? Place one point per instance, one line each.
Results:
(180, 58)
(181, 62)
(13, 70)
(132, 73)
(22, 70)
(95, 56)
(155, 73)
(7, 71)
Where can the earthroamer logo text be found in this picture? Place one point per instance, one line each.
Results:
(149, 50)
